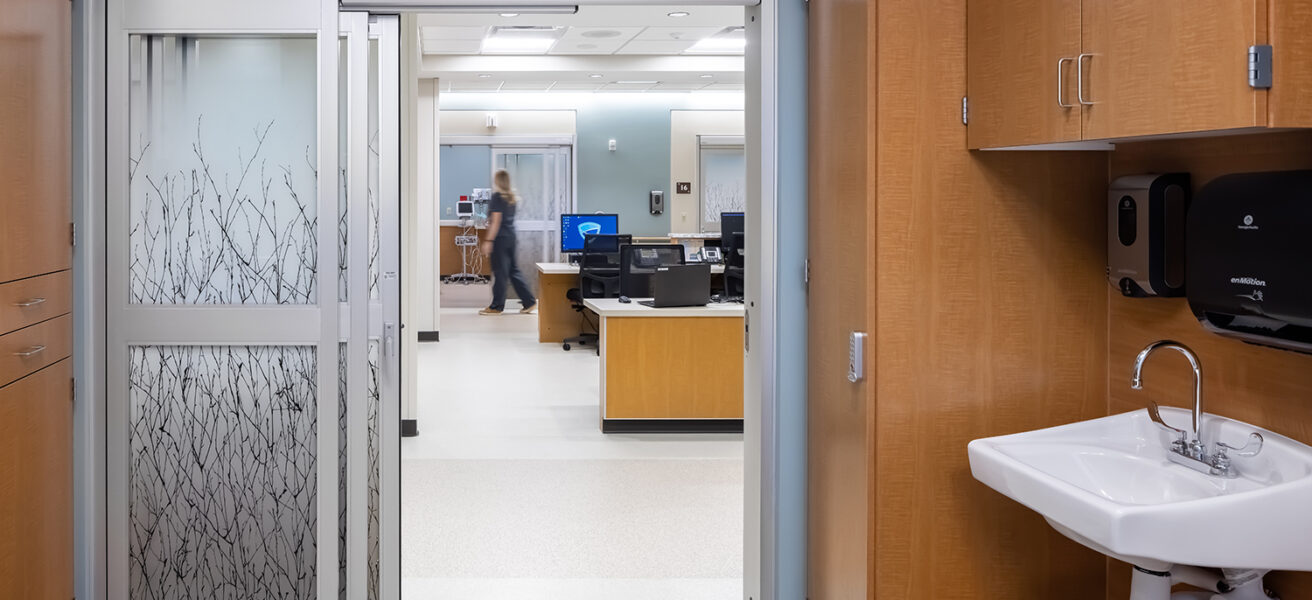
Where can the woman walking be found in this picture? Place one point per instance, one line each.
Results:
(499, 245)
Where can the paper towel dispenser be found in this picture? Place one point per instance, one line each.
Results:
(1249, 258)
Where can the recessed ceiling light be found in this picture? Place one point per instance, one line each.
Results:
(601, 33)
(508, 15)
(629, 82)
(595, 75)
(484, 75)
(678, 13)
(514, 39)
(707, 76)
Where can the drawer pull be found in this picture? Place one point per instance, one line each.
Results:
(29, 302)
(31, 351)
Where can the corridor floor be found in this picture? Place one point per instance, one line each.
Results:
(512, 491)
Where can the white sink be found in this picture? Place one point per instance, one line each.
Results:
(1107, 483)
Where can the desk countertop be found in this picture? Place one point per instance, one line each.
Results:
(568, 269)
(612, 307)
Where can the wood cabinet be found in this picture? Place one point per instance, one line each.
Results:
(1170, 66)
(1021, 58)
(36, 428)
(1131, 69)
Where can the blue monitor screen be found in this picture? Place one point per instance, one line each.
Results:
(573, 227)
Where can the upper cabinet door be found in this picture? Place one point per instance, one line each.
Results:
(35, 129)
(1170, 66)
(1021, 72)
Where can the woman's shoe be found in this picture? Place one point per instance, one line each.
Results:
(489, 311)
(530, 309)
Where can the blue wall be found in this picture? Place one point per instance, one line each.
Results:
(620, 181)
(463, 168)
(613, 182)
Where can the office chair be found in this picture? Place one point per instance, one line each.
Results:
(734, 265)
(599, 277)
(639, 261)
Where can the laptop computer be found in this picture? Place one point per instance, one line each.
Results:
(680, 285)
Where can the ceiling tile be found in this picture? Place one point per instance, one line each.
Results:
(475, 86)
(691, 34)
(452, 33)
(452, 46)
(650, 47)
(679, 87)
(626, 87)
(575, 86)
(526, 86)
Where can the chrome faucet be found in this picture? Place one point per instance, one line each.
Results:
(1192, 452)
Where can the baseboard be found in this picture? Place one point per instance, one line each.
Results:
(409, 427)
(429, 336)
(672, 426)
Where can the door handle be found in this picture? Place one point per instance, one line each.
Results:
(389, 339)
(1061, 83)
(1079, 79)
(30, 351)
(29, 302)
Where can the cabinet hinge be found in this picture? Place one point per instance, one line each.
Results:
(72, 390)
(806, 272)
(1259, 66)
(72, 234)
(965, 110)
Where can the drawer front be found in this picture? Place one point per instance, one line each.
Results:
(35, 299)
(36, 485)
(35, 347)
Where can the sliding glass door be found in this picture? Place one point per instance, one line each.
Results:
(543, 178)
(252, 270)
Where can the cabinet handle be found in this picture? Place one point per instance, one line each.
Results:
(1061, 83)
(31, 351)
(1079, 79)
(29, 302)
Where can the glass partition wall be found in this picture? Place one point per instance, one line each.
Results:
(246, 374)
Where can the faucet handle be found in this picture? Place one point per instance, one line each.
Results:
(1255, 441)
(1156, 416)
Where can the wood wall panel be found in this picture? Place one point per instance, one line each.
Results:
(991, 319)
(840, 433)
(1263, 386)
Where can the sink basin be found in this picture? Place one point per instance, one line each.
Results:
(1108, 484)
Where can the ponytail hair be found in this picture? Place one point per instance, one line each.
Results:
(501, 183)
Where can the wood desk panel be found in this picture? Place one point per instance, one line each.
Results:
(556, 319)
(673, 368)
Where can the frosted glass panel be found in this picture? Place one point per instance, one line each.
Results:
(221, 479)
(222, 177)
(374, 464)
(724, 184)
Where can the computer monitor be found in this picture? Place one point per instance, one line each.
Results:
(602, 250)
(638, 262)
(733, 237)
(464, 208)
(574, 226)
